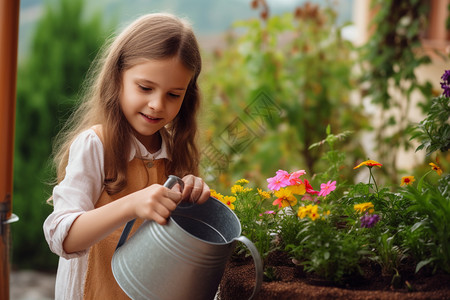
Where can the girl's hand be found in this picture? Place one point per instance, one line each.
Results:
(156, 203)
(195, 190)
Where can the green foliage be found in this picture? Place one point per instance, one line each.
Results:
(63, 46)
(432, 204)
(434, 131)
(272, 90)
(388, 255)
(389, 61)
(333, 158)
(327, 251)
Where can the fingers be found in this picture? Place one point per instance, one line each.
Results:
(156, 203)
(195, 189)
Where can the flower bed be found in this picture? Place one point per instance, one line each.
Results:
(294, 283)
(349, 240)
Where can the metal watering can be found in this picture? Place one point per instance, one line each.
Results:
(184, 259)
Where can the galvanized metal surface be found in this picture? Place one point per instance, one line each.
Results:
(184, 259)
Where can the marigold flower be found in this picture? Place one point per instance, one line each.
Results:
(298, 189)
(216, 195)
(313, 214)
(264, 194)
(228, 200)
(363, 207)
(285, 198)
(237, 189)
(242, 181)
(436, 168)
(407, 180)
(327, 188)
(308, 210)
(303, 211)
(369, 163)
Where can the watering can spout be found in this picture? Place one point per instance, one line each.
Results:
(191, 250)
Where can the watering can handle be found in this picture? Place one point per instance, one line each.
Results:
(170, 182)
(257, 261)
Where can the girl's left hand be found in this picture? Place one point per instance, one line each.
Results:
(195, 190)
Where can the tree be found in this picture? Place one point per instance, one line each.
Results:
(64, 44)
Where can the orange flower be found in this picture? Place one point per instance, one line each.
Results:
(436, 168)
(407, 180)
(370, 163)
(285, 198)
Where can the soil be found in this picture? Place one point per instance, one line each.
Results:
(293, 283)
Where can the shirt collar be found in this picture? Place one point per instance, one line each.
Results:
(138, 148)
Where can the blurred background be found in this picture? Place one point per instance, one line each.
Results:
(276, 74)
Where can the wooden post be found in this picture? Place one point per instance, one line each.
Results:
(9, 24)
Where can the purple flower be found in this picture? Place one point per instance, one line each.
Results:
(368, 221)
(445, 83)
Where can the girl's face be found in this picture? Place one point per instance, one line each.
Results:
(151, 96)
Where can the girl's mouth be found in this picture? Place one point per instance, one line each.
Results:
(150, 119)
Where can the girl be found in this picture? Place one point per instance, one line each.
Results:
(136, 127)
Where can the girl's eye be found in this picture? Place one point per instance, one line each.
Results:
(144, 88)
(174, 95)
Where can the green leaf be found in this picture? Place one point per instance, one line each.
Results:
(423, 263)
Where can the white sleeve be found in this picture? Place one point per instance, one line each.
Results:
(77, 192)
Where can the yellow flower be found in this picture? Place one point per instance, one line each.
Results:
(436, 168)
(407, 180)
(228, 200)
(285, 198)
(370, 163)
(313, 214)
(242, 181)
(237, 189)
(310, 211)
(304, 210)
(264, 194)
(216, 195)
(363, 207)
(298, 189)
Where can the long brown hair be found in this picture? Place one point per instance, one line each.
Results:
(153, 36)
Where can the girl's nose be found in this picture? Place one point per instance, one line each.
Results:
(156, 101)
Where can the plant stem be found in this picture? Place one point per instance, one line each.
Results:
(374, 181)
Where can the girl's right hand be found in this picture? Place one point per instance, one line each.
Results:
(156, 203)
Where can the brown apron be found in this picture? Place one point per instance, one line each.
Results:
(99, 282)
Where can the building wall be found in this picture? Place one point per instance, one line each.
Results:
(436, 39)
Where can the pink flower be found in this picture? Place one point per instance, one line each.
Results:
(309, 197)
(284, 175)
(280, 180)
(268, 212)
(327, 188)
(294, 177)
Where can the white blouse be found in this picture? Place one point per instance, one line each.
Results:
(75, 194)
